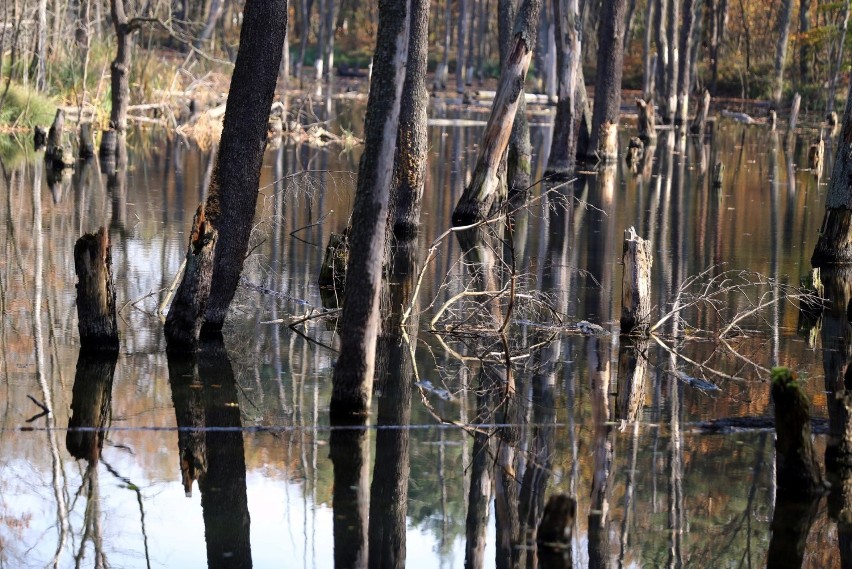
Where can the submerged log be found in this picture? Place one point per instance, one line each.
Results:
(186, 315)
(636, 283)
(96, 313)
(646, 123)
(798, 472)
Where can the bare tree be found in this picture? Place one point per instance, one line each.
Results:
(785, 15)
(563, 146)
(353, 373)
(519, 154)
(603, 141)
(487, 189)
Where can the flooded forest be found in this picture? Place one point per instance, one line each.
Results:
(425, 283)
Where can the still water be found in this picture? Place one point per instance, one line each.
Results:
(227, 460)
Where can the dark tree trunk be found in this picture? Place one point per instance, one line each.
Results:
(461, 43)
(353, 373)
(584, 115)
(834, 246)
(603, 143)
(487, 191)
(662, 44)
(798, 472)
(785, 16)
(563, 145)
(233, 190)
(120, 67)
(412, 147)
(186, 315)
(96, 311)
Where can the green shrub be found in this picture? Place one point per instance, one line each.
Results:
(24, 108)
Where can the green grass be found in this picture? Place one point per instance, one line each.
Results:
(24, 108)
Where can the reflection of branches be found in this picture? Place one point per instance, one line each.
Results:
(131, 486)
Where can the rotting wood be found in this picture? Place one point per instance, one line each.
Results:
(186, 314)
(96, 313)
(798, 471)
(646, 123)
(636, 283)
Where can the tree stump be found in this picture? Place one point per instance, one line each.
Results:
(87, 144)
(54, 135)
(636, 283)
(646, 122)
(186, 314)
(772, 120)
(798, 472)
(109, 145)
(816, 154)
(95, 293)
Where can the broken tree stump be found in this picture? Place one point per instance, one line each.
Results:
(636, 283)
(87, 143)
(646, 122)
(54, 135)
(95, 292)
(39, 137)
(186, 314)
(798, 472)
(816, 155)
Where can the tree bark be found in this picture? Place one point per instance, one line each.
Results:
(96, 312)
(232, 196)
(41, 47)
(647, 121)
(487, 190)
(636, 283)
(563, 145)
(785, 16)
(519, 154)
(186, 315)
(353, 373)
(648, 56)
(120, 68)
(462, 39)
(804, 47)
(412, 149)
(798, 472)
(832, 85)
(673, 24)
(607, 103)
(834, 245)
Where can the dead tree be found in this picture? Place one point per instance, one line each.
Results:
(834, 245)
(353, 373)
(636, 283)
(412, 146)
(563, 146)
(95, 293)
(603, 142)
(488, 189)
(798, 472)
(519, 154)
(685, 61)
(646, 122)
(785, 16)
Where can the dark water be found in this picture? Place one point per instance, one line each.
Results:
(277, 488)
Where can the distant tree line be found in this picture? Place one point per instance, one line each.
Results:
(729, 47)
